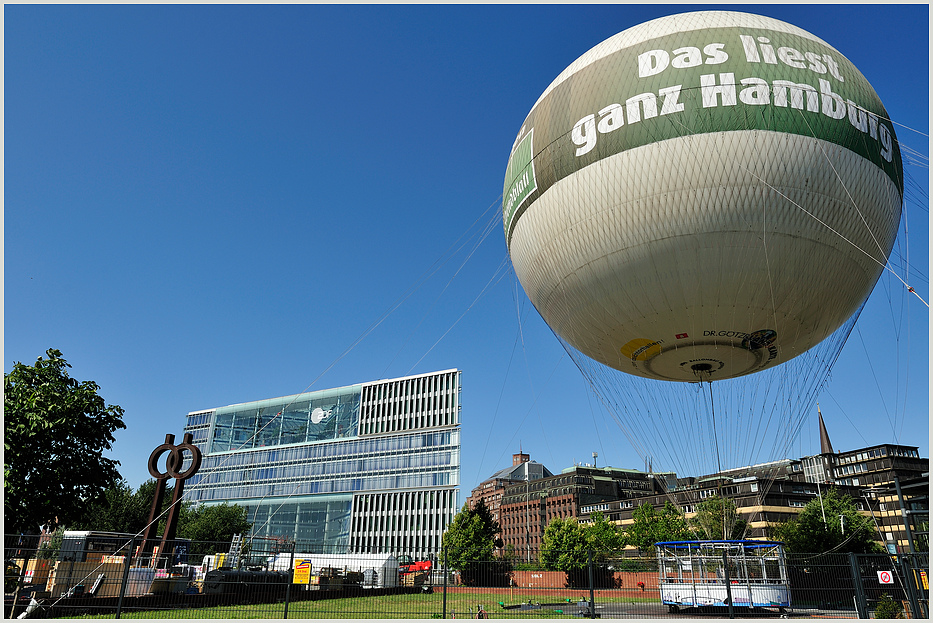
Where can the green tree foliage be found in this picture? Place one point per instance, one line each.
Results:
(124, 510)
(603, 536)
(470, 543)
(569, 546)
(55, 432)
(717, 518)
(887, 608)
(211, 527)
(471, 536)
(49, 550)
(650, 526)
(845, 529)
(564, 547)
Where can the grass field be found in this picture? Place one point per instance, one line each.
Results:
(411, 606)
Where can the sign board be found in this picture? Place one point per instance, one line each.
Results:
(923, 579)
(885, 577)
(302, 571)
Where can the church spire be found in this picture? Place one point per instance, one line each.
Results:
(826, 447)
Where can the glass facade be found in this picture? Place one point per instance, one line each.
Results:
(321, 416)
(319, 524)
(428, 459)
(304, 464)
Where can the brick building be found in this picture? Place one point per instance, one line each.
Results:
(774, 492)
(527, 507)
(490, 491)
(760, 500)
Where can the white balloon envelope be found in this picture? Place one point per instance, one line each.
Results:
(705, 195)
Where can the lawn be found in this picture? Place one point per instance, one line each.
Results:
(409, 606)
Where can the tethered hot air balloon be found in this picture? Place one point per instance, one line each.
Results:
(707, 197)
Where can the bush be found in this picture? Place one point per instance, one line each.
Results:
(492, 573)
(887, 608)
(603, 577)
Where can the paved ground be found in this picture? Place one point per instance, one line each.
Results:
(660, 611)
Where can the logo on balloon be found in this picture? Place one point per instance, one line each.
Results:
(759, 339)
(640, 348)
(520, 180)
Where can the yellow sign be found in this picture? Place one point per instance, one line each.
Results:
(923, 578)
(302, 571)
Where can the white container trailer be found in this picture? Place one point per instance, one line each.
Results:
(379, 570)
(707, 573)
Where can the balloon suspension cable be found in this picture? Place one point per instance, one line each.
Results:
(702, 371)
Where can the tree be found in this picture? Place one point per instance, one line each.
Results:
(844, 528)
(123, 510)
(471, 536)
(50, 549)
(469, 544)
(211, 527)
(602, 536)
(651, 526)
(717, 518)
(564, 546)
(569, 546)
(55, 432)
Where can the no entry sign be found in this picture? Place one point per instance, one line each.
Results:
(885, 577)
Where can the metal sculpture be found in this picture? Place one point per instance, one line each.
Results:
(173, 463)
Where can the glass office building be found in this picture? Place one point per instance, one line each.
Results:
(368, 468)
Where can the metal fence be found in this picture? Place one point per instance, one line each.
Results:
(269, 579)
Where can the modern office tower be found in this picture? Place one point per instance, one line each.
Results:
(367, 468)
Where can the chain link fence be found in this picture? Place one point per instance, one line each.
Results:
(114, 576)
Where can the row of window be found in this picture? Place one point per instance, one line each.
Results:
(407, 404)
(414, 386)
(344, 449)
(404, 501)
(407, 480)
(276, 425)
(401, 521)
(325, 469)
(201, 418)
(879, 452)
(855, 468)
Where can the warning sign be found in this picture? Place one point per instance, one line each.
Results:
(885, 577)
(302, 571)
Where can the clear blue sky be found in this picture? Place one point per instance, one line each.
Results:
(206, 205)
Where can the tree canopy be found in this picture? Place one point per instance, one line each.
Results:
(717, 518)
(123, 510)
(566, 544)
(469, 546)
(55, 432)
(843, 530)
(649, 526)
(211, 527)
(471, 536)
